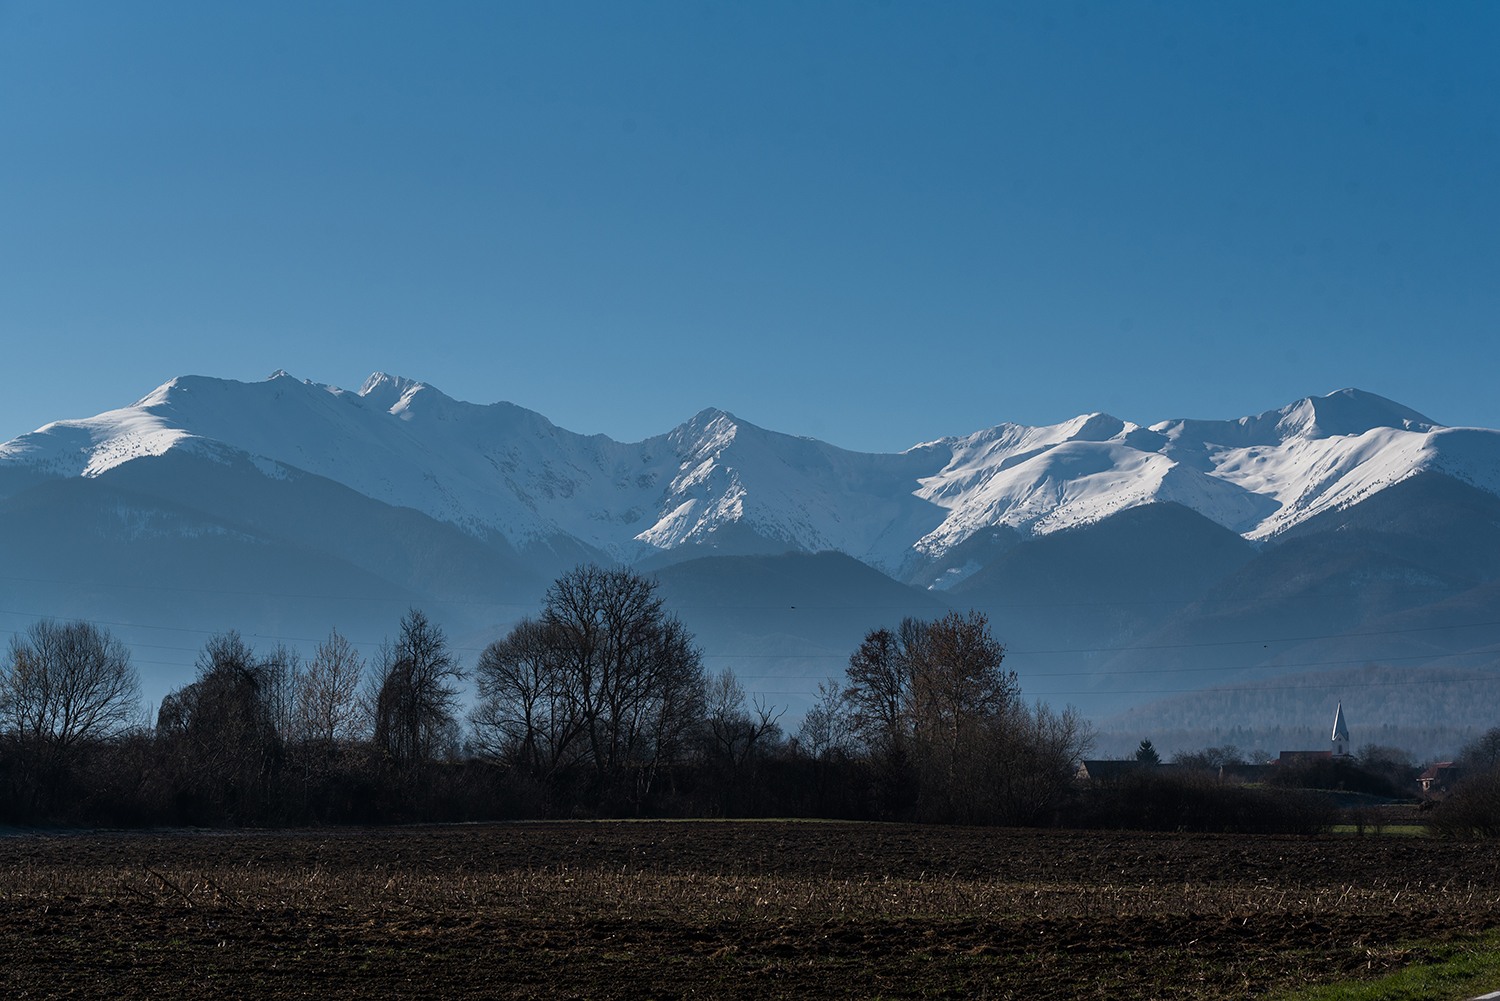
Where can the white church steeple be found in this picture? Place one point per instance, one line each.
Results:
(1340, 733)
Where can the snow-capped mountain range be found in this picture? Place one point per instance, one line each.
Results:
(503, 470)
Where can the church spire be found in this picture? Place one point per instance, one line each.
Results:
(1340, 733)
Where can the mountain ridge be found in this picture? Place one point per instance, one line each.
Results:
(500, 470)
(1117, 562)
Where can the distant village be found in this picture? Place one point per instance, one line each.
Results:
(1431, 784)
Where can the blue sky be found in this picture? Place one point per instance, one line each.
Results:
(876, 223)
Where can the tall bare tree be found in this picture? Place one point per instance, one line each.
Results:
(326, 708)
(827, 728)
(67, 683)
(416, 703)
(734, 731)
(879, 693)
(1031, 762)
(934, 708)
(631, 668)
(1483, 753)
(959, 690)
(281, 673)
(224, 731)
(526, 711)
(605, 678)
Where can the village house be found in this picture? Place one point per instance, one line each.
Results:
(1439, 779)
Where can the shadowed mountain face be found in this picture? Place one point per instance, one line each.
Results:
(784, 622)
(1407, 579)
(164, 577)
(1429, 518)
(169, 549)
(309, 512)
(1097, 587)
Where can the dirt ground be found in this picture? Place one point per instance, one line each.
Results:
(756, 909)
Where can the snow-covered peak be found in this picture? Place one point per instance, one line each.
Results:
(500, 468)
(1345, 412)
(1349, 412)
(1092, 427)
(387, 392)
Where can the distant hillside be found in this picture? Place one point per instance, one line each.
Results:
(1098, 586)
(1373, 697)
(1436, 742)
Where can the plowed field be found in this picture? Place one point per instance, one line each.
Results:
(758, 909)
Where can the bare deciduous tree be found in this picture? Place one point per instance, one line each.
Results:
(1031, 762)
(735, 733)
(326, 709)
(526, 710)
(943, 722)
(416, 702)
(225, 730)
(281, 672)
(735, 737)
(827, 728)
(879, 692)
(67, 683)
(1483, 753)
(958, 687)
(627, 663)
(604, 679)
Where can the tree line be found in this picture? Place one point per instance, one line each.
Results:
(600, 705)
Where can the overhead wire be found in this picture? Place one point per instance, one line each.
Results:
(899, 606)
(1264, 641)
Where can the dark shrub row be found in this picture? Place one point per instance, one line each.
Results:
(1472, 810)
(1196, 801)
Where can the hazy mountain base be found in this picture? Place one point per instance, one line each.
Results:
(783, 623)
(168, 550)
(1402, 578)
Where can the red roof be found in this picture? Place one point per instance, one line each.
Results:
(1287, 757)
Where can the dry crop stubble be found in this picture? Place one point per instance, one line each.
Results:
(458, 909)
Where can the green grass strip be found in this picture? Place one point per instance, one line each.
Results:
(1452, 971)
(1389, 830)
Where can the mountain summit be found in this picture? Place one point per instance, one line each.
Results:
(718, 485)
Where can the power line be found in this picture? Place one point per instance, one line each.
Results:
(1256, 688)
(267, 594)
(719, 607)
(1287, 639)
(1264, 641)
(1198, 670)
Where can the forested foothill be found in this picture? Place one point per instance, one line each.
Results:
(600, 707)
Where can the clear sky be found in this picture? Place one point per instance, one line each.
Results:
(876, 223)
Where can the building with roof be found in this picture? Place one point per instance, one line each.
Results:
(1438, 779)
(1340, 744)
